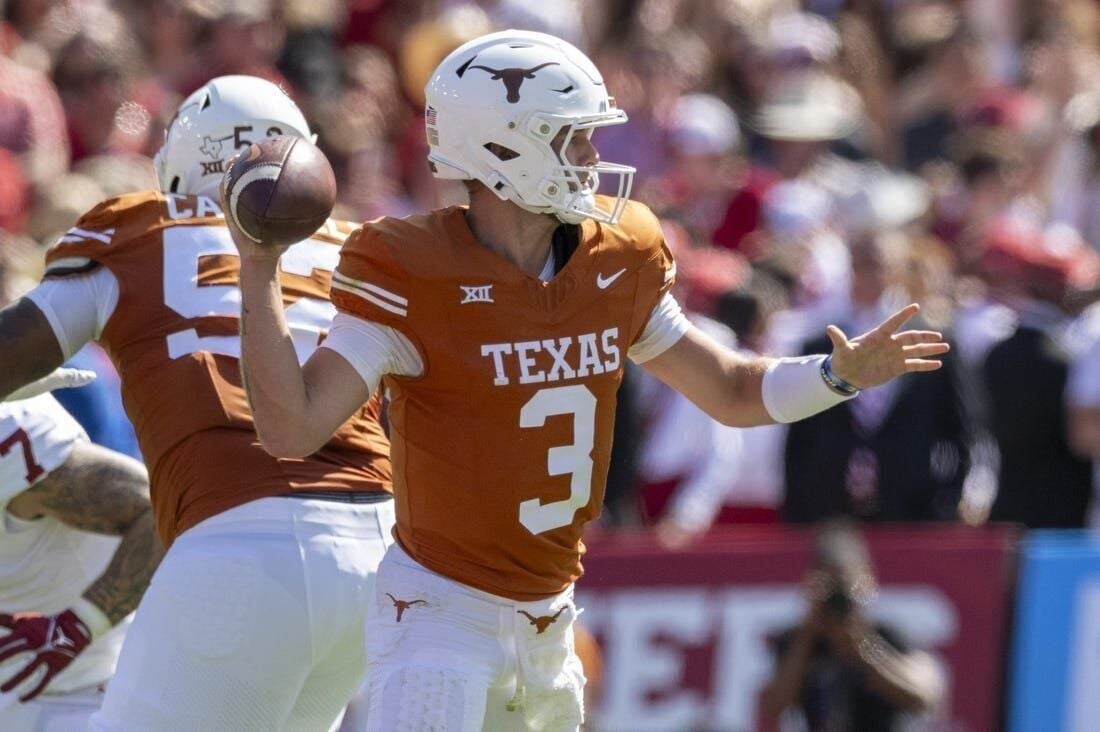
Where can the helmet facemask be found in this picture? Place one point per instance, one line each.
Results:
(572, 188)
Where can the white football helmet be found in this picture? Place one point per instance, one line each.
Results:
(228, 113)
(519, 89)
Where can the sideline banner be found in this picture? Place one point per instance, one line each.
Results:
(685, 634)
(1056, 654)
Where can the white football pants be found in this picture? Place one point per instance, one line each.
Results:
(448, 658)
(51, 712)
(253, 622)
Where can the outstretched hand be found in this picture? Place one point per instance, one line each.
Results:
(884, 353)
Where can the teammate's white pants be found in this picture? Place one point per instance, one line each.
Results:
(253, 622)
(448, 658)
(51, 712)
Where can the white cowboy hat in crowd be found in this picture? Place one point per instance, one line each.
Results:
(808, 107)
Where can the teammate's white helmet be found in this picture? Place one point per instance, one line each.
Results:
(228, 113)
(518, 89)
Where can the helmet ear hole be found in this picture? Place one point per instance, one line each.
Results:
(501, 152)
(174, 186)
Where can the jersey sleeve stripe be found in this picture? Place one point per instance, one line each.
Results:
(75, 234)
(386, 294)
(359, 292)
(670, 273)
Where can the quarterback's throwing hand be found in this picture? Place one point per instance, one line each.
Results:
(52, 641)
(884, 353)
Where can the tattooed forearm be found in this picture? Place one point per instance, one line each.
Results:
(29, 346)
(96, 490)
(103, 492)
(118, 590)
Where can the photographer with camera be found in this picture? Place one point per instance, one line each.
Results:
(841, 670)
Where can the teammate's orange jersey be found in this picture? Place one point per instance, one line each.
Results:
(174, 339)
(501, 446)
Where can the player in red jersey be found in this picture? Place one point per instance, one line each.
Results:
(501, 331)
(254, 619)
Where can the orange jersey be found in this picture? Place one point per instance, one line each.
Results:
(501, 445)
(174, 339)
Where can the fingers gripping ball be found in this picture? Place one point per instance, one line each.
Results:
(279, 191)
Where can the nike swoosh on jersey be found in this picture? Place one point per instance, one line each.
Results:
(604, 282)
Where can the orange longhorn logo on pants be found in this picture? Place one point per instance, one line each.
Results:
(542, 622)
(403, 605)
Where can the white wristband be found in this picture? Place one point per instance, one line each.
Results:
(793, 389)
(96, 620)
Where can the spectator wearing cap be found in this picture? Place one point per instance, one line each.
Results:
(704, 139)
(896, 454)
(1042, 483)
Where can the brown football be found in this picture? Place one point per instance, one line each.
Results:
(280, 190)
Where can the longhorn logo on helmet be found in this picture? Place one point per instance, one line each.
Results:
(513, 78)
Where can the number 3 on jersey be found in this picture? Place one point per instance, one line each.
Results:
(573, 460)
(184, 292)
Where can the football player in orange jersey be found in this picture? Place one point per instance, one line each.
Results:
(254, 620)
(501, 331)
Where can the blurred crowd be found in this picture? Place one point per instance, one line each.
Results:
(813, 162)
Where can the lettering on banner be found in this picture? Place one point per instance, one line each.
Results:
(650, 635)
